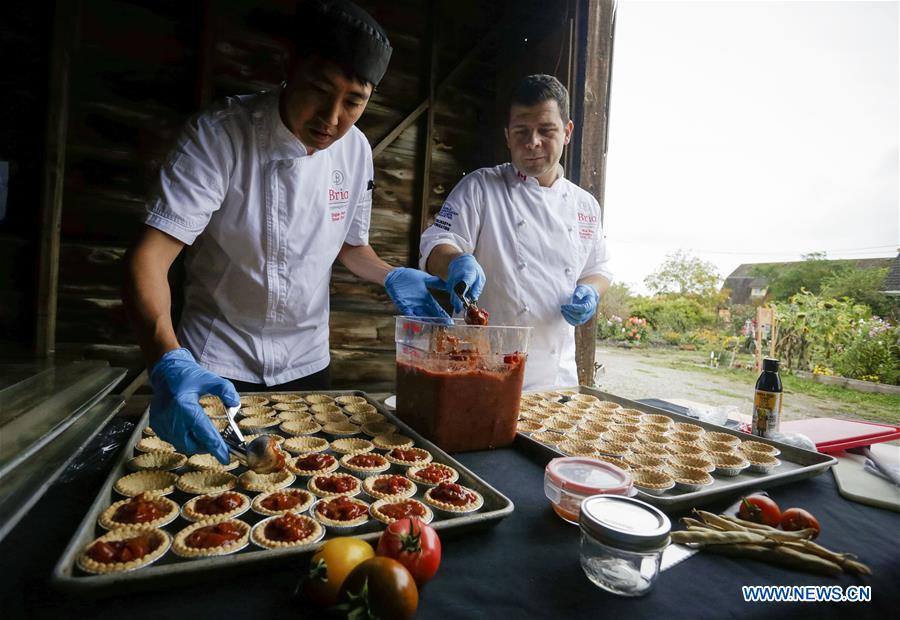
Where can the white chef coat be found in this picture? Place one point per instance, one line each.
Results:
(534, 243)
(264, 220)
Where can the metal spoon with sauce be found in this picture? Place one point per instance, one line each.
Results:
(261, 455)
(474, 314)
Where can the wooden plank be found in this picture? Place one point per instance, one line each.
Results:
(411, 118)
(415, 231)
(593, 80)
(66, 28)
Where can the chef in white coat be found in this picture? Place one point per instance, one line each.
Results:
(265, 192)
(527, 243)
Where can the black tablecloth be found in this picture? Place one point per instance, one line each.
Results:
(525, 567)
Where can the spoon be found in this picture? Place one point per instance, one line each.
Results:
(474, 314)
(261, 455)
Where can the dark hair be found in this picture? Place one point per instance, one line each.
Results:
(534, 89)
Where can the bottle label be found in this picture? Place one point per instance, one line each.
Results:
(766, 413)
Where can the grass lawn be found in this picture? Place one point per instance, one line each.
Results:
(874, 407)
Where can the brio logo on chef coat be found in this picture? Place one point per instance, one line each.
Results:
(338, 197)
(586, 222)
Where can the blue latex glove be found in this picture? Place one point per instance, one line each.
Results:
(465, 269)
(584, 304)
(175, 412)
(408, 289)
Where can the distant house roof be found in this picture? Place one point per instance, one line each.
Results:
(892, 281)
(745, 278)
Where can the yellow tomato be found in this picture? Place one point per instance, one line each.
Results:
(330, 566)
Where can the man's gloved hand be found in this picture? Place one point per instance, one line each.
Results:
(584, 304)
(408, 289)
(175, 412)
(465, 269)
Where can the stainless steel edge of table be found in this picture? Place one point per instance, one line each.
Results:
(797, 463)
(172, 570)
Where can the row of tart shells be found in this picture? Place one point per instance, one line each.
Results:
(317, 523)
(678, 454)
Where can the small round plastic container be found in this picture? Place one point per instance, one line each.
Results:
(569, 480)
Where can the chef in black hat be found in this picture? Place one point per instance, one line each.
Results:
(264, 192)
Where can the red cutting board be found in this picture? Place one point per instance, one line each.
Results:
(832, 435)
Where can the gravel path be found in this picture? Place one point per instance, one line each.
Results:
(635, 374)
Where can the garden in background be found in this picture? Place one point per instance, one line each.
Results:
(832, 318)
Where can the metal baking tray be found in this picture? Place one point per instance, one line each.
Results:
(796, 463)
(173, 570)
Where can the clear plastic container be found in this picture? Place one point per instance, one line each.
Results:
(460, 385)
(569, 480)
(622, 542)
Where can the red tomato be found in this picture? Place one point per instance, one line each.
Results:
(379, 588)
(794, 519)
(760, 509)
(414, 544)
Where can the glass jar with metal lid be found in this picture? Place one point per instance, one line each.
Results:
(622, 542)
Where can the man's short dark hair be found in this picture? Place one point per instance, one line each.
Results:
(534, 89)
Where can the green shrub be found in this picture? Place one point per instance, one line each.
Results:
(673, 314)
(873, 354)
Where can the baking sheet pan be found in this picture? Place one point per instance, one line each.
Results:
(797, 463)
(173, 570)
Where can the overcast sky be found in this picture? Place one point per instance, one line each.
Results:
(750, 131)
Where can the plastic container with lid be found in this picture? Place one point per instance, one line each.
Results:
(569, 480)
(622, 542)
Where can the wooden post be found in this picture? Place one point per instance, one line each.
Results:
(595, 30)
(428, 138)
(66, 27)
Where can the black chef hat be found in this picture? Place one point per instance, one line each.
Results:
(339, 30)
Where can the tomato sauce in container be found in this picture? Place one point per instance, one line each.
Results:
(460, 385)
(571, 479)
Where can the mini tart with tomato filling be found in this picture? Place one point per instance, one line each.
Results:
(390, 510)
(341, 511)
(163, 461)
(389, 486)
(394, 440)
(452, 497)
(312, 464)
(215, 506)
(432, 474)
(149, 480)
(200, 482)
(142, 510)
(253, 481)
(408, 456)
(207, 462)
(124, 549)
(286, 530)
(211, 537)
(366, 464)
(305, 444)
(281, 501)
(154, 444)
(333, 485)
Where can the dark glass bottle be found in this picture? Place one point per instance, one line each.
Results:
(767, 400)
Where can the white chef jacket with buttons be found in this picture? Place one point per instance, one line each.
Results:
(264, 220)
(534, 243)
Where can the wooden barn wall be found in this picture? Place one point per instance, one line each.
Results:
(25, 34)
(143, 68)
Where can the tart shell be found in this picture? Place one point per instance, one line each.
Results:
(149, 480)
(314, 488)
(206, 482)
(375, 510)
(188, 512)
(292, 467)
(253, 481)
(413, 474)
(181, 549)
(258, 508)
(163, 461)
(470, 507)
(331, 523)
(258, 534)
(106, 519)
(89, 565)
(305, 445)
(369, 487)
